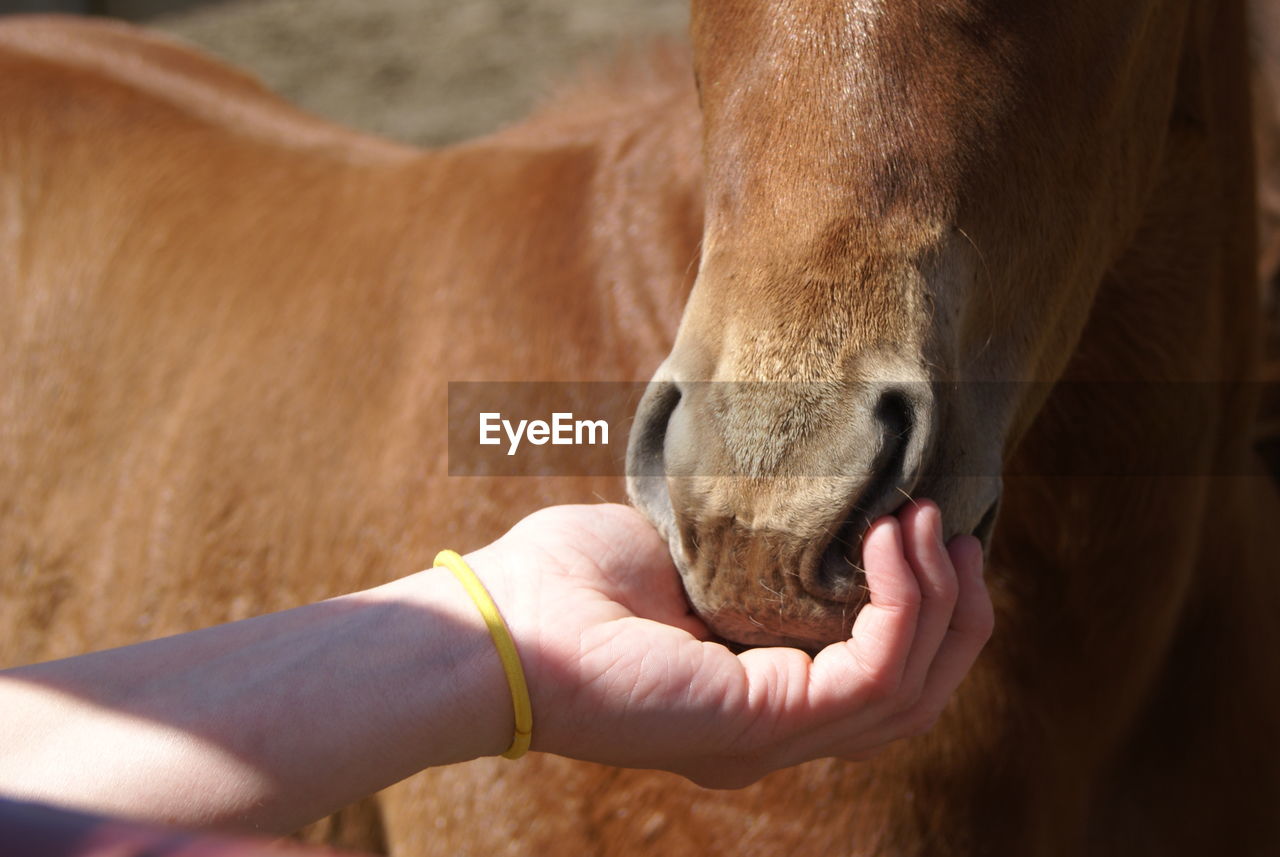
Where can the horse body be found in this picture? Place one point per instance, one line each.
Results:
(232, 326)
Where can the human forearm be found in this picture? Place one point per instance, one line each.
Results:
(273, 722)
(375, 686)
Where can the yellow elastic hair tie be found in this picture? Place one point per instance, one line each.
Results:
(506, 649)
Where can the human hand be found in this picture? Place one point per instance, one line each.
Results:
(620, 672)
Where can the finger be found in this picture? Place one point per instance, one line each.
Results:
(884, 630)
(971, 626)
(799, 703)
(939, 589)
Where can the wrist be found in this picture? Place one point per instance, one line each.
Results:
(465, 701)
(512, 581)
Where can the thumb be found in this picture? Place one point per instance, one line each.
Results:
(616, 551)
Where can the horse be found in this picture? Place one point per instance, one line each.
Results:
(994, 255)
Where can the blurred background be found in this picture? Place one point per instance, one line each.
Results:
(421, 71)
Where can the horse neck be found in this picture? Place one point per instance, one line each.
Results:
(1180, 302)
(583, 223)
(1086, 540)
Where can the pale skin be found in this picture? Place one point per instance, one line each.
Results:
(276, 721)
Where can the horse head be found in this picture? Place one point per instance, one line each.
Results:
(908, 212)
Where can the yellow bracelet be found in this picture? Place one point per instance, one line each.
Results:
(506, 649)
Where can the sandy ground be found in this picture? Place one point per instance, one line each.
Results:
(423, 71)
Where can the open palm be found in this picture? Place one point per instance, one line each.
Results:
(620, 671)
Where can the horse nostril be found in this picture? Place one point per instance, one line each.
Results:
(893, 473)
(837, 572)
(896, 415)
(646, 454)
(645, 447)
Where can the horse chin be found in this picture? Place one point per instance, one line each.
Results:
(742, 616)
(741, 638)
(807, 625)
(731, 623)
(742, 612)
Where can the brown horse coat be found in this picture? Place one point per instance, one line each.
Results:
(228, 332)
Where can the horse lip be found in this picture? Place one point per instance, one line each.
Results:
(986, 524)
